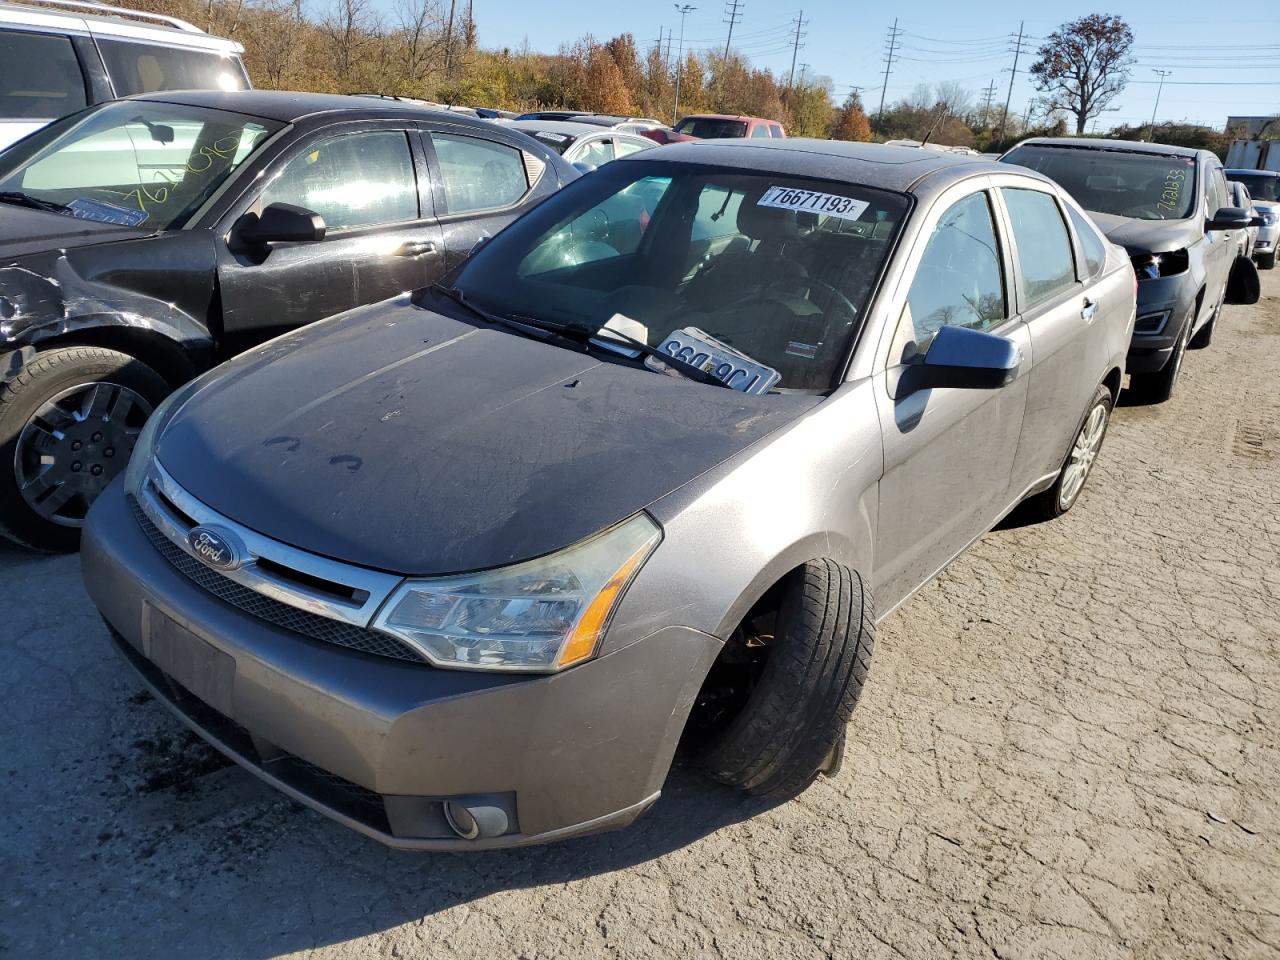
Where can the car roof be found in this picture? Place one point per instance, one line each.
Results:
(75, 16)
(288, 107)
(903, 169)
(726, 116)
(1245, 170)
(1123, 146)
(570, 128)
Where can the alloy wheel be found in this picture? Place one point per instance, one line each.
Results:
(76, 443)
(1083, 453)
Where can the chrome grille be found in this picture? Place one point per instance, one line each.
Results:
(288, 617)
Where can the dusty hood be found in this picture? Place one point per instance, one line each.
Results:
(1148, 236)
(25, 231)
(399, 438)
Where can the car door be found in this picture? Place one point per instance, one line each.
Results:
(41, 80)
(1220, 245)
(369, 183)
(948, 453)
(481, 183)
(1067, 347)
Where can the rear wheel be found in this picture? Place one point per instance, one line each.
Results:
(1066, 490)
(1267, 261)
(68, 422)
(792, 724)
(1157, 387)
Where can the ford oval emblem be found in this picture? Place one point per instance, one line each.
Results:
(217, 548)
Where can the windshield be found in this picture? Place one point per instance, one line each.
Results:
(131, 162)
(778, 268)
(1145, 186)
(1260, 186)
(711, 129)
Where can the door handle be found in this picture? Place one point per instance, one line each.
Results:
(415, 248)
(1089, 311)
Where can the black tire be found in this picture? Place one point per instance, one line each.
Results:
(1065, 493)
(50, 375)
(1267, 261)
(792, 726)
(1158, 386)
(1204, 336)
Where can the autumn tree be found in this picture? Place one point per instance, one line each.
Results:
(605, 89)
(1084, 65)
(851, 121)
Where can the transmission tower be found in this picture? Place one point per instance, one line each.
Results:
(894, 36)
(732, 14)
(1019, 48)
(796, 46)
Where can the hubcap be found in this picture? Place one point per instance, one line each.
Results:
(1085, 451)
(74, 445)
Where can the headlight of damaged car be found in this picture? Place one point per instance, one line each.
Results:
(1150, 266)
(539, 616)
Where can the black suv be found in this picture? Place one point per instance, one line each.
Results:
(144, 240)
(1170, 208)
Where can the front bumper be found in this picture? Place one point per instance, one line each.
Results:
(380, 744)
(1165, 306)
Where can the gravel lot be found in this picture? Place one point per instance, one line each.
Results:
(1069, 747)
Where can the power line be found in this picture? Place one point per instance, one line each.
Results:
(800, 23)
(894, 36)
(731, 10)
(1017, 52)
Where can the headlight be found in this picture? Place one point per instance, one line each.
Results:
(145, 448)
(539, 616)
(1149, 266)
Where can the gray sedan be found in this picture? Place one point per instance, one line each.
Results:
(464, 569)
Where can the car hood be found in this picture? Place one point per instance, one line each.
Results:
(26, 231)
(1149, 236)
(399, 438)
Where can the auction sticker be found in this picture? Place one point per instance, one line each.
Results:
(810, 201)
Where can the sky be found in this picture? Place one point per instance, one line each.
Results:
(1211, 76)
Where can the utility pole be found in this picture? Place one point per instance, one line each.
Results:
(660, 29)
(800, 23)
(731, 12)
(1017, 52)
(894, 35)
(1163, 74)
(988, 98)
(684, 11)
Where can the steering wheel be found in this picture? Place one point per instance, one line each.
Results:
(833, 295)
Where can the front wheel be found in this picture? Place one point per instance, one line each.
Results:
(68, 422)
(1065, 491)
(792, 726)
(1157, 387)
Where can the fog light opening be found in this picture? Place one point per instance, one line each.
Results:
(472, 823)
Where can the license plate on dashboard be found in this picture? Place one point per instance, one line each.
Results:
(699, 348)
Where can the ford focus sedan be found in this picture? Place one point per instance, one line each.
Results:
(465, 568)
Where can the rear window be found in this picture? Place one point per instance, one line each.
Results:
(712, 129)
(41, 79)
(1261, 187)
(1144, 186)
(146, 68)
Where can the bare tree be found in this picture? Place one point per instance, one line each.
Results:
(1083, 65)
(952, 98)
(420, 24)
(346, 27)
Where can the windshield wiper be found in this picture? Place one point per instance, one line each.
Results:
(545, 334)
(26, 200)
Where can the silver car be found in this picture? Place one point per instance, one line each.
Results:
(464, 569)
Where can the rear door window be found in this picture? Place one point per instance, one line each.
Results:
(596, 152)
(760, 130)
(479, 174)
(1044, 246)
(147, 67)
(41, 79)
(1095, 251)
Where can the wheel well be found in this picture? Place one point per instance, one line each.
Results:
(158, 352)
(1112, 382)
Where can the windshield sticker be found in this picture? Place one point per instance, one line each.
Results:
(1171, 191)
(810, 201)
(808, 351)
(553, 137)
(85, 209)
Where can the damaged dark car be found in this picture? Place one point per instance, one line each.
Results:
(144, 240)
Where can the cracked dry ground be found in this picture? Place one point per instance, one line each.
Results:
(1068, 748)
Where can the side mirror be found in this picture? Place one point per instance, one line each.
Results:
(966, 359)
(278, 223)
(1257, 222)
(1229, 218)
